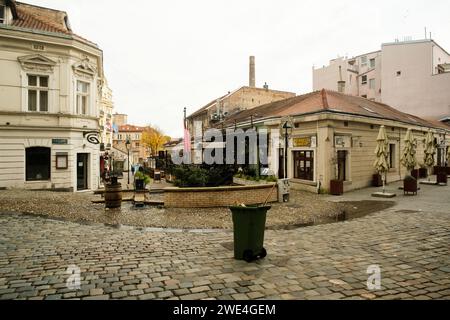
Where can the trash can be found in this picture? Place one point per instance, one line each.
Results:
(249, 225)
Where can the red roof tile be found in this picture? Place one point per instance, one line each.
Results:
(27, 16)
(328, 101)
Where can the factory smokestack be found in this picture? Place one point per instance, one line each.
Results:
(252, 78)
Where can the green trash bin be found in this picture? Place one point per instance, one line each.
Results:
(249, 226)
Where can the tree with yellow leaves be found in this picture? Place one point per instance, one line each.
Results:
(154, 139)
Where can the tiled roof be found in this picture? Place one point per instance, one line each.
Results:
(331, 101)
(27, 16)
(37, 18)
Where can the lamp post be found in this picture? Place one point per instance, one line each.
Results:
(127, 143)
(287, 126)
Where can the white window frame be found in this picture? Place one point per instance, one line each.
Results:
(362, 79)
(372, 83)
(38, 90)
(374, 63)
(363, 61)
(87, 94)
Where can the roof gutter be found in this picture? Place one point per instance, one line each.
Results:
(262, 120)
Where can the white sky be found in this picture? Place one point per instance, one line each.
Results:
(162, 56)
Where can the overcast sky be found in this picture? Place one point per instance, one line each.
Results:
(162, 56)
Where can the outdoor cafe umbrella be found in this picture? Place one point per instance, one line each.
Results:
(409, 160)
(381, 152)
(448, 156)
(430, 150)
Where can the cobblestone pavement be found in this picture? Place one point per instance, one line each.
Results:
(321, 262)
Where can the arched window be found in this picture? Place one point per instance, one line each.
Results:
(37, 162)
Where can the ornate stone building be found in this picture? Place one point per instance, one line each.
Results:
(50, 90)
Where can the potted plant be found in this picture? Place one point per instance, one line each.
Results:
(336, 185)
(377, 180)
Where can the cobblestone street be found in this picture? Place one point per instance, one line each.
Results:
(329, 261)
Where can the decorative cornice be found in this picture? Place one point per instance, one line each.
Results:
(36, 62)
(84, 69)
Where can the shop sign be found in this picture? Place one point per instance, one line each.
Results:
(305, 142)
(60, 141)
(302, 142)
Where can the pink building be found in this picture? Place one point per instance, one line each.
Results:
(412, 76)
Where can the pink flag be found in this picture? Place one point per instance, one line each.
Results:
(187, 140)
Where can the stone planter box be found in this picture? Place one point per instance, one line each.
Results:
(220, 196)
(245, 182)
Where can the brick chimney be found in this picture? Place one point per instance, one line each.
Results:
(252, 78)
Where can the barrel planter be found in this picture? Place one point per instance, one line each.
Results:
(113, 196)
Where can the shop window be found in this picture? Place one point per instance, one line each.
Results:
(304, 165)
(391, 156)
(38, 162)
(342, 165)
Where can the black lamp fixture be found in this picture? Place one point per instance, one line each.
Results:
(128, 143)
(287, 126)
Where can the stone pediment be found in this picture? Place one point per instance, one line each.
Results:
(84, 69)
(36, 62)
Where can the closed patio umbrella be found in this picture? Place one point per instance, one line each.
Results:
(381, 152)
(430, 150)
(448, 156)
(409, 160)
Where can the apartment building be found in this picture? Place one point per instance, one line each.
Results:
(412, 76)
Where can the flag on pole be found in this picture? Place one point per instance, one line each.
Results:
(187, 138)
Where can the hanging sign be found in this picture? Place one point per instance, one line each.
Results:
(92, 137)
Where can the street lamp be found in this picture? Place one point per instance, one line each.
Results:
(287, 126)
(127, 143)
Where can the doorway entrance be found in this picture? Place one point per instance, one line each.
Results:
(82, 171)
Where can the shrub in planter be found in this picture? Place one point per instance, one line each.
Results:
(190, 176)
(203, 176)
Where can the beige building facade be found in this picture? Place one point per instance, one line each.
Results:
(106, 117)
(50, 83)
(334, 138)
(412, 76)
